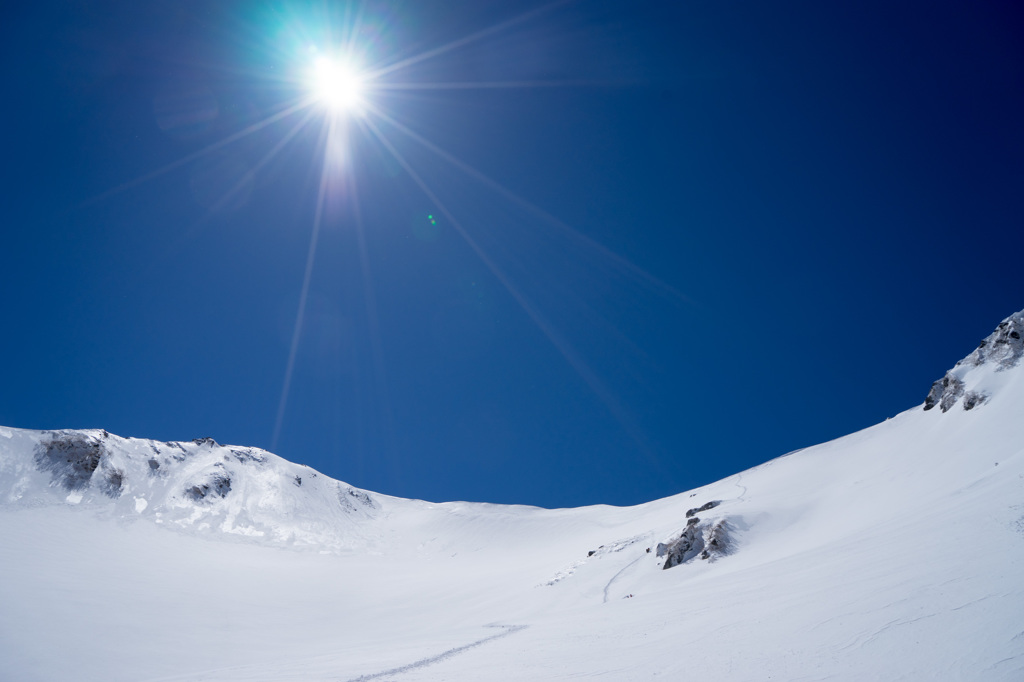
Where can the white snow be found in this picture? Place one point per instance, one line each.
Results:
(894, 553)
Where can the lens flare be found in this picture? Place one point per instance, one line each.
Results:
(337, 84)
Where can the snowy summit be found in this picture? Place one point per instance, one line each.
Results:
(891, 553)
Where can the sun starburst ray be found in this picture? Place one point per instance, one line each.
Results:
(234, 137)
(623, 263)
(488, 85)
(304, 292)
(561, 344)
(246, 178)
(378, 73)
(373, 319)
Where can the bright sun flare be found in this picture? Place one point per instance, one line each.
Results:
(336, 84)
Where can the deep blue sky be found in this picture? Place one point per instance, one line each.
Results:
(835, 191)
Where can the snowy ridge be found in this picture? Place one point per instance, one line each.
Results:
(976, 376)
(199, 486)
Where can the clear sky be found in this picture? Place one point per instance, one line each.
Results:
(569, 253)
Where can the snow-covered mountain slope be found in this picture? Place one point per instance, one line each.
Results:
(894, 553)
(200, 486)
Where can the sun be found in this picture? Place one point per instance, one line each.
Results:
(337, 85)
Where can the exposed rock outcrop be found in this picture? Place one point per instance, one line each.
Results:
(710, 505)
(1003, 347)
(707, 541)
(217, 484)
(974, 398)
(71, 458)
(1001, 350)
(945, 392)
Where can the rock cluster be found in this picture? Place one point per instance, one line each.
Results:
(707, 541)
(1003, 348)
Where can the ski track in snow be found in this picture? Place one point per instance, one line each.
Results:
(1012, 659)
(616, 576)
(430, 660)
(739, 477)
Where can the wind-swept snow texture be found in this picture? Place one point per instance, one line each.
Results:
(895, 553)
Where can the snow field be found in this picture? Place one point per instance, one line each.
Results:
(894, 553)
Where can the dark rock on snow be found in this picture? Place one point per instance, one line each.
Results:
(218, 484)
(70, 457)
(1004, 348)
(708, 541)
(710, 505)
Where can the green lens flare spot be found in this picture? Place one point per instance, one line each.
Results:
(425, 227)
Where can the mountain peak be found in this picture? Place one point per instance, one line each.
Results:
(1004, 346)
(999, 351)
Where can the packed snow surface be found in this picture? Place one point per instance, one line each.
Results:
(894, 553)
